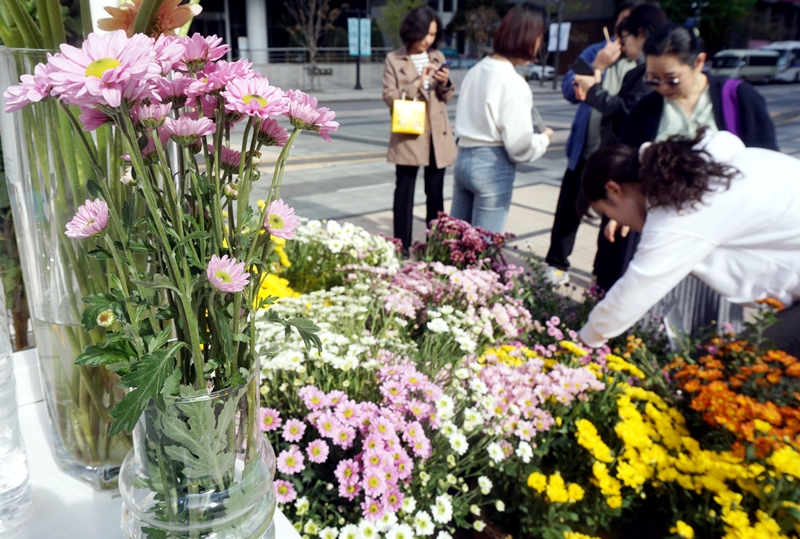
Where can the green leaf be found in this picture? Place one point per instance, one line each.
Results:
(199, 235)
(97, 303)
(141, 247)
(100, 254)
(166, 313)
(202, 441)
(159, 282)
(308, 332)
(94, 190)
(104, 354)
(148, 376)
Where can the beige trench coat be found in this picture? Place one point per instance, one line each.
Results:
(399, 75)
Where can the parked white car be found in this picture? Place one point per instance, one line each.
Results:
(750, 65)
(537, 72)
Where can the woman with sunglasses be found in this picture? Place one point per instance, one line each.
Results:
(613, 253)
(702, 208)
(687, 99)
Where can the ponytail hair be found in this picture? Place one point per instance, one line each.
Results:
(675, 173)
(676, 40)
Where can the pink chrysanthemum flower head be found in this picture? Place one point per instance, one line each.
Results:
(107, 69)
(150, 116)
(272, 134)
(185, 130)
(215, 77)
(92, 118)
(199, 51)
(226, 275)
(304, 114)
(254, 97)
(291, 461)
(172, 90)
(284, 491)
(281, 220)
(169, 49)
(293, 430)
(31, 89)
(91, 220)
(229, 159)
(269, 419)
(318, 451)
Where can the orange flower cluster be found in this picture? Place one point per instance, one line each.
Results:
(749, 393)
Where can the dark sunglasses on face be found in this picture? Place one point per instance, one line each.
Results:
(655, 83)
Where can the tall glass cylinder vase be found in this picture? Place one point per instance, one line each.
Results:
(48, 173)
(200, 468)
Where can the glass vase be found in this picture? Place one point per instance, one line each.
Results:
(200, 468)
(48, 175)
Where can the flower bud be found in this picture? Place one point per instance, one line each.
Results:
(106, 319)
(231, 191)
(127, 177)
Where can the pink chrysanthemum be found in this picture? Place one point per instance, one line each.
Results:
(92, 118)
(229, 159)
(107, 69)
(150, 116)
(293, 430)
(226, 275)
(269, 419)
(169, 49)
(272, 134)
(347, 471)
(291, 461)
(215, 77)
(254, 97)
(372, 509)
(344, 436)
(281, 220)
(394, 500)
(313, 397)
(199, 51)
(185, 130)
(349, 491)
(91, 220)
(318, 451)
(304, 114)
(172, 90)
(284, 491)
(31, 89)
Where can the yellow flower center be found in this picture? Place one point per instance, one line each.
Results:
(283, 489)
(316, 451)
(348, 413)
(374, 482)
(249, 97)
(293, 429)
(348, 472)
(268, 420)
(223, 276)
(275, 222)
(100, 66)
(290, 461)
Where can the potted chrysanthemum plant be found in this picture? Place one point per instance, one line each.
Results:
(188, 252)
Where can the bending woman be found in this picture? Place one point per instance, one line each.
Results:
(702, 209)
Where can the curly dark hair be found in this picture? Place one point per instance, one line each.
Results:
(672, 173)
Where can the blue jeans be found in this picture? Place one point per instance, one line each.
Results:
(484, 183)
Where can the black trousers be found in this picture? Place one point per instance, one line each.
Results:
(566, 220)
(786, 333)
(404, 198)
(612, 259)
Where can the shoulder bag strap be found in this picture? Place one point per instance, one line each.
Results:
(730, 106)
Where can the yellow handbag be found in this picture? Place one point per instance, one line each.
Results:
(408, 117)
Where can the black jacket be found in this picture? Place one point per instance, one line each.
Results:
(756, 124)
(616, 108)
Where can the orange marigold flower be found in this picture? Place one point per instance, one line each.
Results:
(793, 370)
(692, 385)
(760, 368)
(772, 302)
(736, 381)
(774, 377)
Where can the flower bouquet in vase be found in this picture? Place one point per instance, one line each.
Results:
(187, 253)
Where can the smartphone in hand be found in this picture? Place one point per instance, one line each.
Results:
(446, 63)
(581, 67)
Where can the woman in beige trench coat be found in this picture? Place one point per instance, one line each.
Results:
(415, 70)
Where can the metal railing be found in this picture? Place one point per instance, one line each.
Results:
(299, 55)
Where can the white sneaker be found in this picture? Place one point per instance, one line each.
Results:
(555, 276)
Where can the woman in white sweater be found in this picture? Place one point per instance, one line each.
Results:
(494, 124)
(730, 215)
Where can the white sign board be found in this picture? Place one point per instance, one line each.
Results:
(553, 37)
(353, 36)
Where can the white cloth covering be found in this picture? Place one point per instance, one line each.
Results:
(744, 242)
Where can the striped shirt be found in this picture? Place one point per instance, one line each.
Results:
(420, 61)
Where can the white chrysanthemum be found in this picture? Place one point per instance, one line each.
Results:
(451, 460)
(388, 520)
(437, 325)
(448, 429)
(446, 309)
(451, 479)
(328, 533)
(423, 525)
(478, 386)
(400, 531)
(466, 344)
(409, 504)
(444, 535)
(301, 506)
(485, 484)
(525, 452)
(475, 510)
(368, 530)
(500, 505)
(350, 531)
(462, 373)
(472, 415)
(495, 452)
(479, 525)
(459, 443)
(442, 509)
(311, 528)
(445, 407)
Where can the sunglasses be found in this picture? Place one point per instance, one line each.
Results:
(655, 83)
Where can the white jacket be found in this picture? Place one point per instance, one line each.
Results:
(744, 242)
(494, 109)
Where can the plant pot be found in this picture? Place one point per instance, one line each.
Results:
(47, 174)
(200, 468)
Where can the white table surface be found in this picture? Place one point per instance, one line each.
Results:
(62, 507)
